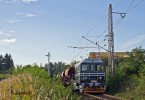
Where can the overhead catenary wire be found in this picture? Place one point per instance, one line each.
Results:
(101, 20)
(127, 12)
(86, 33)
(99, 23)
(95, 43)
(130, 8)
(95, 25)
(80, 47)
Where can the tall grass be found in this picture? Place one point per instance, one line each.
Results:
(33, 83)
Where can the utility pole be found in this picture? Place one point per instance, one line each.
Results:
(60, 67)
(48, 67)
(111, 64)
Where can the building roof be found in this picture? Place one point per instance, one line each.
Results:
(105, 55)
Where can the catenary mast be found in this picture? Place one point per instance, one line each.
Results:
(111, 64)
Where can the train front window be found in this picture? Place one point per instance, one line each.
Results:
(100, 68)
(93, 67)
(85, 67)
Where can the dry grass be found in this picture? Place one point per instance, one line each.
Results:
(34, 84)
(19, 87)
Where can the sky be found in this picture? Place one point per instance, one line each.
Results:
(29, 29)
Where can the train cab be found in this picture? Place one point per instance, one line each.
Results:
(90, 76)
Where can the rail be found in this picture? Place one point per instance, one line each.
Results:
(101, 97)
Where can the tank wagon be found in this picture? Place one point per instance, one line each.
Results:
(68, 76)
(87, 76)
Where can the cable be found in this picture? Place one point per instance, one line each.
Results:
(88, 33)
(129, 6)
(134, 6)
(117, 22)
(128, 11)
(117, 4)
(100, 21)
(96, 25)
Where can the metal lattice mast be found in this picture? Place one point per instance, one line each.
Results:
(111, 64)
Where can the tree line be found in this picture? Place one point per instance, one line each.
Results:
(57, 67)
(6, 63)
(129, 78)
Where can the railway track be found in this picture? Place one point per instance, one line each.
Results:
(86, 96)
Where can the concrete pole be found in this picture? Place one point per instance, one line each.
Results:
(48, 67)
(111, 64)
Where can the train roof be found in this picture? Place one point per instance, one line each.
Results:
(91, 60)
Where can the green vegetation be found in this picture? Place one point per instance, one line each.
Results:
(129, 79)
(33, 83)
(6, 63)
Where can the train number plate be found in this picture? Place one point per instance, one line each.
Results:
(93, 81)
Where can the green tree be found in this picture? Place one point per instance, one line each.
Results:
(1, 62)
(8, 62)
(135, 61)
(74, 62)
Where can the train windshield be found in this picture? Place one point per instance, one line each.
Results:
(93, 67)
(85, 67)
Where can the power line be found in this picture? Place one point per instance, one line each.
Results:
(90, 31)
(134, 6)
(117, 4)
(94, 26)
(128, 11)
(129, 6)
(116, 23)
(95, 43)
(98, 24)
(80, 47)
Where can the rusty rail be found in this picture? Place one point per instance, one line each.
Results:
(102, 97)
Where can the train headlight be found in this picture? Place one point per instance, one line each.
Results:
(85, 77)
(100, 77)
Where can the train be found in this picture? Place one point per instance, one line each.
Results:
(88, 76)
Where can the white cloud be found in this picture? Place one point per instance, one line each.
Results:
(19, 1)
(30, 15)
(7, 41)
(19, 13)
(29, 1)
(11, 31)
(133, 41)
(14, 20)
(7, 33)
(26, 14)
(1, 33)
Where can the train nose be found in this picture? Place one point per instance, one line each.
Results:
(86, 85)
